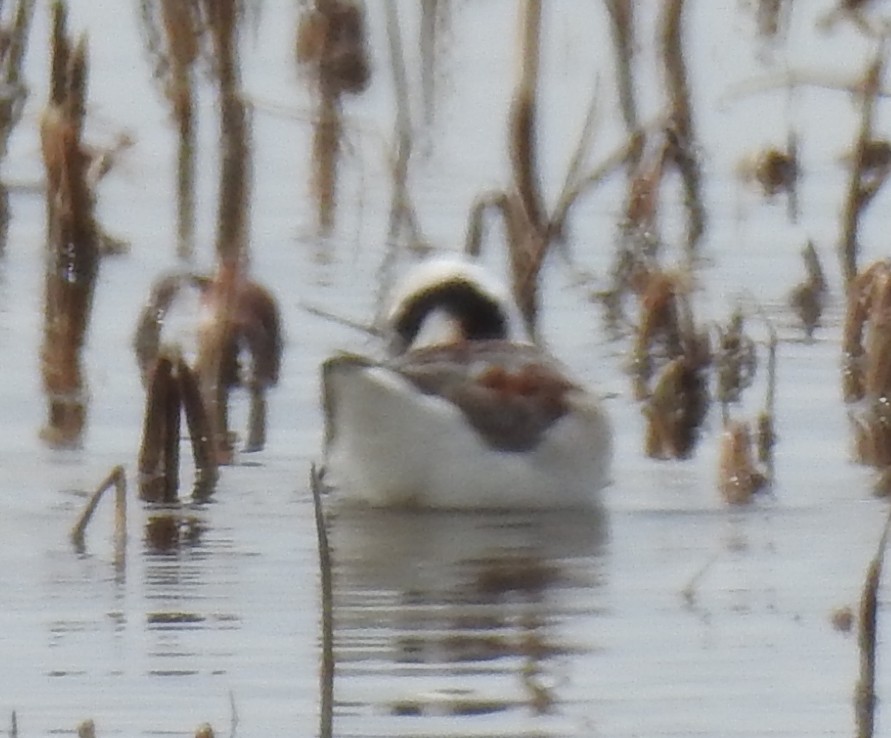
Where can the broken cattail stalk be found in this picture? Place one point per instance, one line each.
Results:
(676, 409)
(72, 259)
(326, 673)
(159, 474)
(859, 195)
(174, 389)
(117, 479)
(200, 429)
(659, 326)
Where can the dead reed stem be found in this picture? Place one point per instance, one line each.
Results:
(402, 211)
(523, 123)
(865, 691)
(200, 430)
(684, 149)
(118, 480)
(235, 174)
(530, 230)
(72, 258)
(326, 675)
(859, 195)
(180, 27)
(527, 222)
(621, 15)
(173, 389)
(159, 453)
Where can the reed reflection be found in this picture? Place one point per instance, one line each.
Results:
(458, 614)
(181, 573)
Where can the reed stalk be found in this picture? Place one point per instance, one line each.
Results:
(182, 33)
(326, 672)
(72, 257)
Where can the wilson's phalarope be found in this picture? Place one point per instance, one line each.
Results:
(469, 420)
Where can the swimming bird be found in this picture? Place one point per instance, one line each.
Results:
(466, 417)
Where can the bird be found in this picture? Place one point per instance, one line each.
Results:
(462, 411)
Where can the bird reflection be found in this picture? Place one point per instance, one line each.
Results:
(458, 614)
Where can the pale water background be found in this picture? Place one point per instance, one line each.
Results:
(445, 625)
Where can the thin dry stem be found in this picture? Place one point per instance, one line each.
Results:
(117, 479)
(865, 690)
(402, 211)
(326, 673)
(621, 13)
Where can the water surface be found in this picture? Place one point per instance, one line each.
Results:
(664, 614)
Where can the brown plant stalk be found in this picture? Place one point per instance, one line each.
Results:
(72, 256)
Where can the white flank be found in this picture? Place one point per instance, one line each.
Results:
(393, 445)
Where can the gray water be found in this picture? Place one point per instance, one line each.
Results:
(445, 624)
